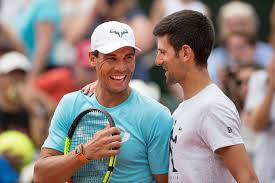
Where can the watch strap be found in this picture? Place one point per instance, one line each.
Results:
(80, 154)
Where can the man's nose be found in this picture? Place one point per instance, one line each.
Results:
(121, 65)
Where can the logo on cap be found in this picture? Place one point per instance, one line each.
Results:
(119, 33)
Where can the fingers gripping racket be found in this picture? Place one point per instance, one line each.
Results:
(83, 128)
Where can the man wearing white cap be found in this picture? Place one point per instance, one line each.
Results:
(14, 61)
(142, 156)
(21, 108)
(13, 69)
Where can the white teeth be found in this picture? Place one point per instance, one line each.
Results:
(118, 77)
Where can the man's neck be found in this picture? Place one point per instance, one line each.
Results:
(109, 99)
(195, 82)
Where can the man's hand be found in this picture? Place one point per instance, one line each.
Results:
(89, 89)
(103, 144)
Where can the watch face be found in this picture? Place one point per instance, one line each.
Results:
(78, 150)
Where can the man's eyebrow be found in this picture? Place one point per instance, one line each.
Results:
(109, 55)
(160, 49)
(130, 54)
(113, 55)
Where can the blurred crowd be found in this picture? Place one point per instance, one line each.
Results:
(44, 48)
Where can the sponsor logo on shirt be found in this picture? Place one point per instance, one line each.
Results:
(229, 129)
(125, 136)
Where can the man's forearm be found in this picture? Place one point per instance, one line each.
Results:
(56, 168)
(249, 178)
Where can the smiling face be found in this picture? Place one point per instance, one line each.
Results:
(115, 70)
(170, 62)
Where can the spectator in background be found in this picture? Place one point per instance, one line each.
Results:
(38, 28)
(161, 8)
(236, 16)
(126, 11)
(21, 108)
(236, 83)
(13, 69)
(60, 81)
(260, 109)
(78, 14)
(241, 48)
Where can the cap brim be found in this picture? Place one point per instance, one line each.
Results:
(115, 46)
(14, 61)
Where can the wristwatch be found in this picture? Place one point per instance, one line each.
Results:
(79, 152)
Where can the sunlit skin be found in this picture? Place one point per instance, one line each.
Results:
(181, 68)
(170, 62)
(114, 72)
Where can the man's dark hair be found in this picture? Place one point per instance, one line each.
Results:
(191, 28)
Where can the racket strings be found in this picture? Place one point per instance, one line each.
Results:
(95, 170)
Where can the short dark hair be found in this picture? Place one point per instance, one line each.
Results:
(191, 28)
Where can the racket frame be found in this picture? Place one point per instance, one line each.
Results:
(73, 126)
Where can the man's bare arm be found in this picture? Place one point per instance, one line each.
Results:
(237, 161)
(53, 166)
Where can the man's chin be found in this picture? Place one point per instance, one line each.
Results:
(119, 90)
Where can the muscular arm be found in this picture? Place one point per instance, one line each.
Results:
(237, 161)
(53, 166)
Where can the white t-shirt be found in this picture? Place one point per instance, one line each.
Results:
(204, 123)
(264, 162)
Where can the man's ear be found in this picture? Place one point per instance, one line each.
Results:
(186, 53)
(92, 59)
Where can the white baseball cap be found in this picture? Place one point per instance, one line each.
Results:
(111, 36)
(14, 60)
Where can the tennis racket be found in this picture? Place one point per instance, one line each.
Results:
(83, 128)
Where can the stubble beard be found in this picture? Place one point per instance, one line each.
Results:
(170, 80)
